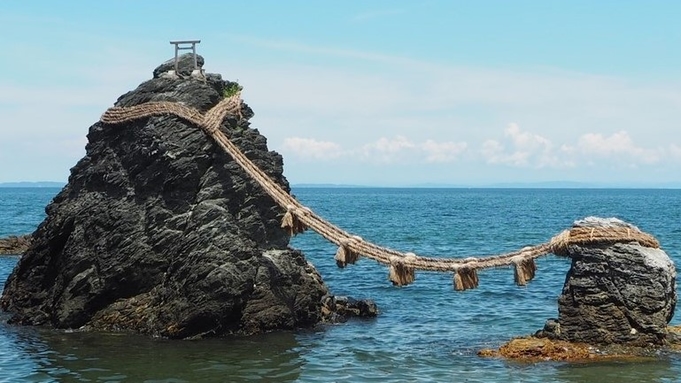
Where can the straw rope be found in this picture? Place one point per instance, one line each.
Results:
(298, 217)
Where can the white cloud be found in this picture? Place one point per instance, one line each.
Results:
(387, 150)
(675, 152)
(382, 151)
(360, 106)
(618, 146)
(526, 140)
(311, 148)
(442, 151)
(493, 151)
(363, 99)
(526, 150)
(400, 149)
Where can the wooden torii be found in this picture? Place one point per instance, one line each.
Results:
(185, 45)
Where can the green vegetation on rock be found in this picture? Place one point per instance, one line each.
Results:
(231, 88)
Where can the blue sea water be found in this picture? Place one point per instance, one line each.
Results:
(426, 332)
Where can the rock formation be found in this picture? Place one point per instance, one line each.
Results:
(623, 293)
(160, 232)
(616, 303)
(14, 245)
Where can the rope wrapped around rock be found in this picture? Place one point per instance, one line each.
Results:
(298, 218)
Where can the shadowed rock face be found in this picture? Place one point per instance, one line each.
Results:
(624, 293)
(160, 232)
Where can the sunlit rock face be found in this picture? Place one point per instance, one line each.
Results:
(622, 293)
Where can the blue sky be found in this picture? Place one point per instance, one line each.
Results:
(376, 92)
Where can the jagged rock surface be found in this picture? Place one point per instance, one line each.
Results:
(623, 293)
(338, 309)
(14, 245)
(160, 232)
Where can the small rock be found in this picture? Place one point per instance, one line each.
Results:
(185, 65)
(338, 309)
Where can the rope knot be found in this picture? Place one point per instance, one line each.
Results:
(346, 254)
(465, 278)
(291, 221)
(524, 270)
(401, 274)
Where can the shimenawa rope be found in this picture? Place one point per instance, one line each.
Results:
(402, 266)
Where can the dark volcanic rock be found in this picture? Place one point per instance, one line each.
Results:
(158, 231)
(624, 293)
(14, 244)
(338, 309)
(185, 65)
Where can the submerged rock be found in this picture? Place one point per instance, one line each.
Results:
(533, 349)
(158, 231)
(338, 309)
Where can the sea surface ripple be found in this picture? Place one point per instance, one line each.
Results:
(425, 332)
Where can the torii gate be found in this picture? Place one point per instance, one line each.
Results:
(186, 45)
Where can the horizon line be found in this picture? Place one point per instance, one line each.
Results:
(428, 185)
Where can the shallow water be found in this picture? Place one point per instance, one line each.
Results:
(425, 332)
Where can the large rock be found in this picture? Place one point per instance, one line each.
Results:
(160, 232)
(623, 293)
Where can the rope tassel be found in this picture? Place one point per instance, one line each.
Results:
(524, 271)
(465, 278)
(400, 273)
(291, 223)
(345, 255)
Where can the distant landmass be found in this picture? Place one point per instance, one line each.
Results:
(42, 184)
(330, 186)
(501, 185)
(509, 185)
(546, 185)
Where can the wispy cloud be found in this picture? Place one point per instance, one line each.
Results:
(310, 148)
(294, 46)
(618, 146)
(385, 150)
(443, 151)
(675, 152)
(372, 15)
(336, 105)
(525, 149)
(398, 109)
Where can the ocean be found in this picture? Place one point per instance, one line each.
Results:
(425, 332)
